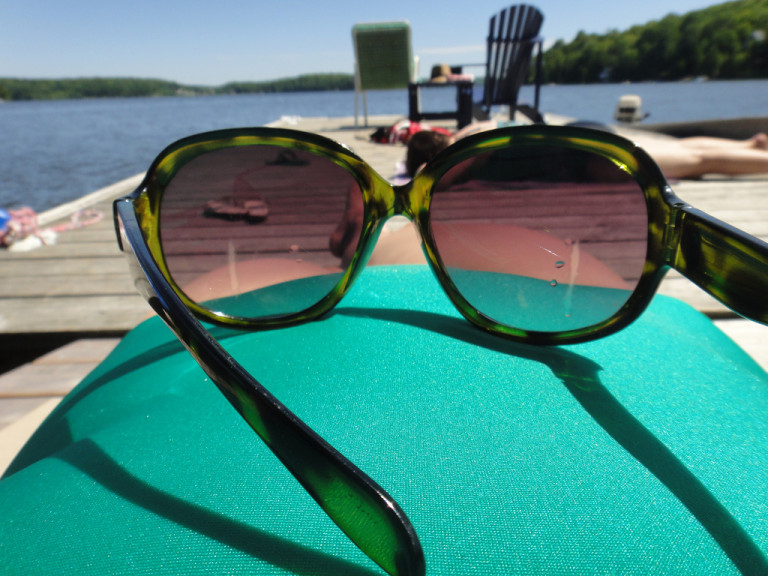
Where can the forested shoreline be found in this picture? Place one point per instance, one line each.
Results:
(73, 88)
(725, 42)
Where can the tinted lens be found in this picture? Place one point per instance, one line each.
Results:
(246, 230)
(541, 238)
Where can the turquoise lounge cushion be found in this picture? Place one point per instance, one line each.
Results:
(642, 453)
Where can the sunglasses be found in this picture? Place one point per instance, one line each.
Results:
(540, 234)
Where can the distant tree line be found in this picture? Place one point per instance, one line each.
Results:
(22, 89)
(726, 41)
(305, 83)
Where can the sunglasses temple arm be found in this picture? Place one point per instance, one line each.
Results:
(725, 262)
(366, 513)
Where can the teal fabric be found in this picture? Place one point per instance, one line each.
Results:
(285, 298)
(643, 453)
(535, 304)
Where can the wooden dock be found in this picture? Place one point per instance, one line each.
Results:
(64, 306)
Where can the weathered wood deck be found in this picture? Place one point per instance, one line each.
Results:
(80, 288)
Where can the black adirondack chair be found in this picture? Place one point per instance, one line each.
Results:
(512, 38)
(513, 35)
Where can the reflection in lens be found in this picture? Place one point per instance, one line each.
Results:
(254, 223)
(541, 238)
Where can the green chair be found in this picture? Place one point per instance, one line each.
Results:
(645, 452)
(383, 59)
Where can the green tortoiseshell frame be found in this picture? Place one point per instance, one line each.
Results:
(728, 264)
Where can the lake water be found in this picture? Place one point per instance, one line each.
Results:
(54, 152)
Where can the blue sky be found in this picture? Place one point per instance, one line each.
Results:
(210, 43)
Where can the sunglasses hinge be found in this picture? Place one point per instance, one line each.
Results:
(673, 231)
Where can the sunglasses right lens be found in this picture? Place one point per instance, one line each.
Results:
(245, 230)
(541, 238)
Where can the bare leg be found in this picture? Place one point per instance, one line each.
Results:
(757, 142)
(680, 161)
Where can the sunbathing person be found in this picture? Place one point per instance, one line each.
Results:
(697, 156)
(679, 157)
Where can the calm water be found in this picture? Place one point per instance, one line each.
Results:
(53, 152)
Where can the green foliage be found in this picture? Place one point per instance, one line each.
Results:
(20, 89)
(726, 41)
(305, 83)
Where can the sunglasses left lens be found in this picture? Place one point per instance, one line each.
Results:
(246, 231)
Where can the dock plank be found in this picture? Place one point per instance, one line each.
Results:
(94, 314)
(53, 267)
(106, 246)
(67, 284)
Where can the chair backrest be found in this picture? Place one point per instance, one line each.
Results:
(383, 55)
(512, 36)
